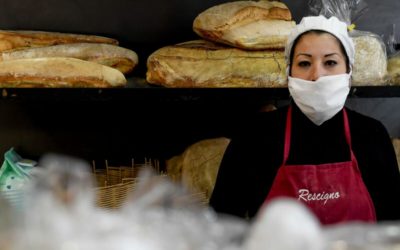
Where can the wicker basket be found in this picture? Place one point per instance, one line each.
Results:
(113, 196)
(114, 183)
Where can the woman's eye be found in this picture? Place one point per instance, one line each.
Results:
(304, 64)
(330, 63)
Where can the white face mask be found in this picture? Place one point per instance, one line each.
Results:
(322, 99)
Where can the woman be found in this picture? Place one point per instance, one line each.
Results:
(340, 163)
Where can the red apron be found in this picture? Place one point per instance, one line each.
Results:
(335, 192)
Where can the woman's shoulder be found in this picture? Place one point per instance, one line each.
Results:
(363, 123)
(262, 124)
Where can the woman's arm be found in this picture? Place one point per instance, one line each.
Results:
(378, 165)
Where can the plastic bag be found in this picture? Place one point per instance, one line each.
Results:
(370, 64)
(347, 11)
(393, 62)
(284, 224)
(158, 215)
(393, 68)
(363, 236)
(391, 40)
(14, 174)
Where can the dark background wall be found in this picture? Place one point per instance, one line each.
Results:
(145, 25)
(163, 125)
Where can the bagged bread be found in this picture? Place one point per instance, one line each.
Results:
(246, 24)
(198, 166)
(202, 63)
(393, 68)
(370, 64)
(370, 52)
(111, 55)
(18, 39)
(58, 72)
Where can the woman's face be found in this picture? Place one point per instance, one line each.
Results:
(316, 55)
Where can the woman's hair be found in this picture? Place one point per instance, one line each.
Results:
(318, 32)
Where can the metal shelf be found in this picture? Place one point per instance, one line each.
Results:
(137, 90)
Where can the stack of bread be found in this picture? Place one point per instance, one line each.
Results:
(242, 46)
(53, 59)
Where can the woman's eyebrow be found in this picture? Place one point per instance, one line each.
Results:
(303, 54)
(331, 54)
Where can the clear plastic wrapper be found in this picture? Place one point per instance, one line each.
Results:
(284, 224)
(347, 11)
(363, 236)
(161, 215)
(393, 62)
(393, 68)
(370, 65)
(391, 41)
(60, 213)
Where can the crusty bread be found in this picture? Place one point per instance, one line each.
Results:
(111, 55)
(202, 63)
(18, 39)
(370, 63)
(246, 24)
(393, 68)
(197, 167)
(58, 72)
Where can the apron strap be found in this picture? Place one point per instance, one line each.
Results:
(346, 127)
(288, 132)
(347, 133)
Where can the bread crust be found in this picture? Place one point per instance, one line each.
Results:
(58, 72)
(125, 60)
(246, 24)
(18, 39)
(201, 64)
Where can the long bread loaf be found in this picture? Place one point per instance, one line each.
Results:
(17, 39)
(58, 72)
(114, 56)
(202, 63)
(246, 24)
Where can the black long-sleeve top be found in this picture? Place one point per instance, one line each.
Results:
(255, 153)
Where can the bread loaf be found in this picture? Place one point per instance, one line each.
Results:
(18, 39)
(202, 63)
(198, 166)
(393, 68)
(370, 63)
(107, 54)
(58, 72)
(246, 24)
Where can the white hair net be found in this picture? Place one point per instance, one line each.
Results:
(331, 25)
